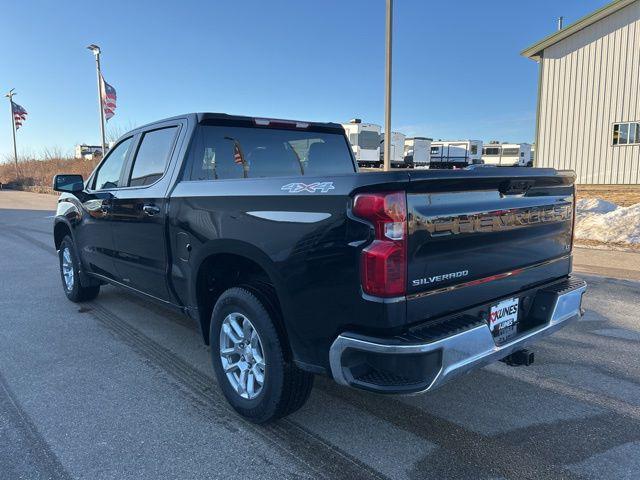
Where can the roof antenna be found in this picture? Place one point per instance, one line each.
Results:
(560, 20)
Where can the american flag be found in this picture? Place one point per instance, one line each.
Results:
(237, 154)
(108, 99)
(19, 114)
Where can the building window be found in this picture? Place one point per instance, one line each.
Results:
(627, 133)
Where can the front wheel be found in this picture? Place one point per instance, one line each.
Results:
(70, 274)
(249, 360)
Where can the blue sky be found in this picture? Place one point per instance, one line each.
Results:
(457, 68)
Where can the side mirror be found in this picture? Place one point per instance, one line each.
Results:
(68, 183)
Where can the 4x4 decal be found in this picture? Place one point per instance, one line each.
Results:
(322, 187)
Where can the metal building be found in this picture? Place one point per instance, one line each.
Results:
(588, 113)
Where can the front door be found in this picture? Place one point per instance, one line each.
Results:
(94, 232)
(139, 215)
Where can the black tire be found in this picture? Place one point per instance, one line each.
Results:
(286, 388)
(75, 291)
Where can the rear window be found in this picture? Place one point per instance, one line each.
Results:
(220, 152)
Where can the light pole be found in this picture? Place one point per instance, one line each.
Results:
(13, 130)
(95, 49)
(387, 87)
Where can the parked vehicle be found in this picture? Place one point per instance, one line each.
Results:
(293, 264)
(455, 154)
(397, 150)
(507, 154)
(417, 151)
(365, 142)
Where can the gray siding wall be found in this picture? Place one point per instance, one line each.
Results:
(589, 81)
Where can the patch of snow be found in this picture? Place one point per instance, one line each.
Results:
(604, 221)
(594, 205)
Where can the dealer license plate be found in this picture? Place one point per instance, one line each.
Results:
(503, 319)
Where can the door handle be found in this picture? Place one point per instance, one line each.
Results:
(151, 210)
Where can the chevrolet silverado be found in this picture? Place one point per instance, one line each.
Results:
(293, 264)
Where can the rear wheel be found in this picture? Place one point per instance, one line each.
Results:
(70, 274)
(249, 360)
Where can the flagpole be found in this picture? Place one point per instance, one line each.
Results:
(13, 130)
(96, 52)
(387, 88)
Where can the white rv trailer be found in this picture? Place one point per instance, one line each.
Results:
(397, 149)
(417, 152)
(455, 154)
(533, 154)
(507, 154)
(365, 141)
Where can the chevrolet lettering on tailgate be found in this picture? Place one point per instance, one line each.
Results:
(498, 221)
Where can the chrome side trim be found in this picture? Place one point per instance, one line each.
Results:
(372, 298)
(466, 350)
(294, 217)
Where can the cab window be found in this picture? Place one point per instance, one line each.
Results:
(152, 156)
(108, 175)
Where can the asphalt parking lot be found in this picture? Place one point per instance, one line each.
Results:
(122, 388)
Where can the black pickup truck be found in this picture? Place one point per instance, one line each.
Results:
(294, 264)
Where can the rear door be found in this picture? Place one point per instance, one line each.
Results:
(139, 212)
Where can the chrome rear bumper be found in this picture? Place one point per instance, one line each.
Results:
(436, 362)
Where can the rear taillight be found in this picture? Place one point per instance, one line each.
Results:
(384, 262)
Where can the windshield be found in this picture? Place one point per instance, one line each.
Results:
(220, 152)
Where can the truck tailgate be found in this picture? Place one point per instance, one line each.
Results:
(488, 236)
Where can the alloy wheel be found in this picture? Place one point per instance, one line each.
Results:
(242, 356)
(67, 269)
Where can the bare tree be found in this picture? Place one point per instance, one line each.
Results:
(114, 132)
(52, 153)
